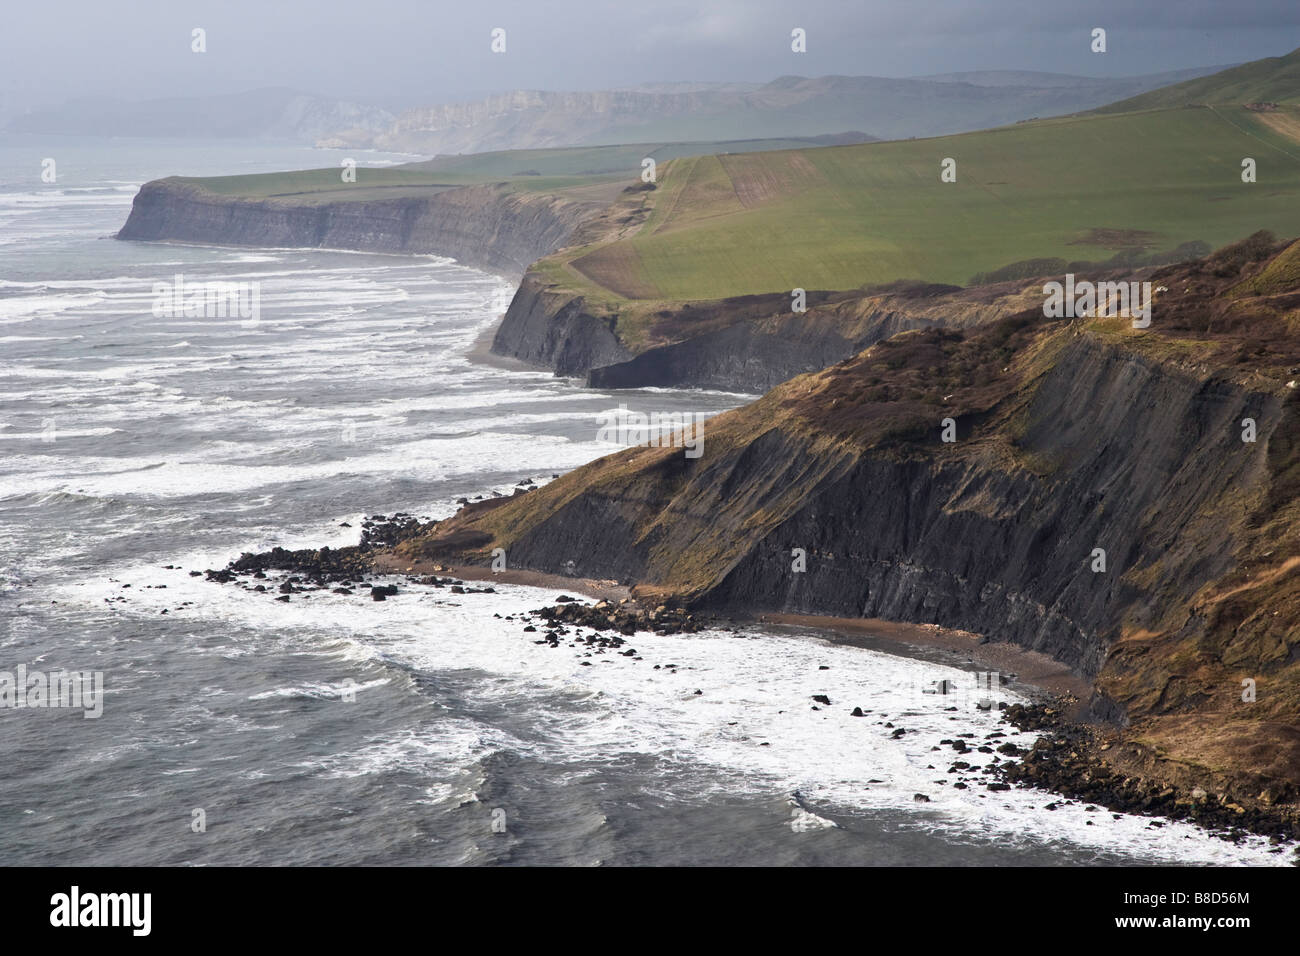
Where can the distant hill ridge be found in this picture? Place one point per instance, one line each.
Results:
(683, 111)
(884, 108)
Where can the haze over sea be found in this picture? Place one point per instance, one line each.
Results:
(130, 442)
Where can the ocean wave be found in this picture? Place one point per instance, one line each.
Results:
(25, 308)
(61, 433)
(749, 729)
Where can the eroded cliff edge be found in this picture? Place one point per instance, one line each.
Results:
(1174, 450)
(746, 343)
(490, 226)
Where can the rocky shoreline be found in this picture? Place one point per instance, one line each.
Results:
(352, 570)
(1067, 760)
(746, 344)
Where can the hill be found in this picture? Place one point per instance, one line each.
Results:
(1275, 79)
(839, 218)
(532, 170)
(688, 280)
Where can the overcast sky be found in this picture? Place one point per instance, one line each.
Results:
(433, 50)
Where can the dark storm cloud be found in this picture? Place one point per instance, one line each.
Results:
(433, 50)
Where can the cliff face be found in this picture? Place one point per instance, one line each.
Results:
(1000, 539)
(555, 329)
(486, 227)
(747, 344)
(1175, 451)
(985, 534)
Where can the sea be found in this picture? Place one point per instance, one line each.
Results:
(140, 444)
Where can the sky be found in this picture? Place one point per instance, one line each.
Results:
(433, 51)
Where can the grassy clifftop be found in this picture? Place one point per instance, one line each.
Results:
(1078, 188)
(530, 170)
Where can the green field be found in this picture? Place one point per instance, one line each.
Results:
(536, 170)
(1078, 188)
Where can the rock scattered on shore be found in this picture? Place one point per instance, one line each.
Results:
(626, 617)
(1063, 761)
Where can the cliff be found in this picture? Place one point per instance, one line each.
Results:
(1070, 436)
(556, 329)
(744, 343)
(490, 227)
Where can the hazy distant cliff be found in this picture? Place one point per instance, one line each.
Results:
(485, 226)
(788, 106)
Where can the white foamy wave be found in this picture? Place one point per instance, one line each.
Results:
(61, 433)
(422, 460)
(66, 197)
(319, 691)
(24, 308)
(751, 724)
(438, 752)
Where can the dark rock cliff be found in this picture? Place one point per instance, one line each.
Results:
(1117, 453)
(745, 344)
(1134, 458)
(556, 330)
(486, 227)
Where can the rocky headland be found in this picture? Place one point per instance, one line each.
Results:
(1124, 500)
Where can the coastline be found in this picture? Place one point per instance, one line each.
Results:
(1070, 759)
(1032, 669)
(483, 226)
(480, 353)
(1075, 758)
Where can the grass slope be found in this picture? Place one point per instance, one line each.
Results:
(1275, 79)
(1078, 188)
